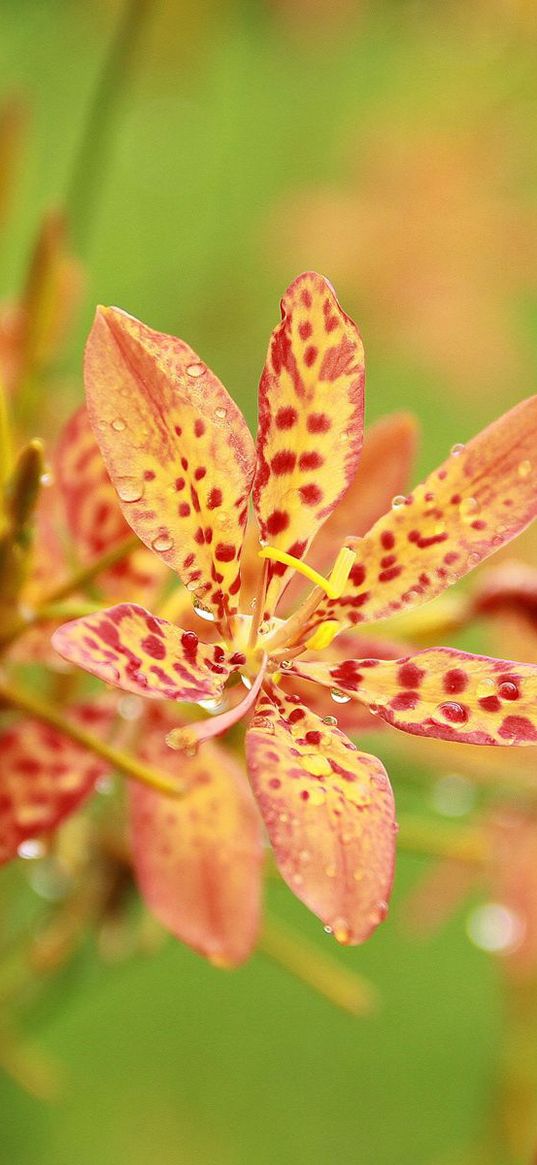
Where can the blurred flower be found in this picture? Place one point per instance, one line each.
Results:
(434, 235)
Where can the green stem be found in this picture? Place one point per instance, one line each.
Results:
(129, 766)
(76, 582)
(87, 173)
(468, 844)
(324, 974)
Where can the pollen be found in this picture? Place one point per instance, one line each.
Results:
(323, 635)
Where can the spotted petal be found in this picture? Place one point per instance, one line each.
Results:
(177, 449)
(94, 519)
(198, 860)
(135, 651)
(329, 813)
(479, 499)
(443, 693)
(44, 776)
(311, 404)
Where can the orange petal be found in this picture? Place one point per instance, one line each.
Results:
(311, 405)
(177, 449)
(329, 813)
(135, 651)
(45, 776)
(94, 518)
(351, 717)
(443, 693)
(198, 860)
(479, 499)
(384, 471)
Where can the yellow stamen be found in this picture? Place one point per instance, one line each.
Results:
(332, 586)
(323, 635)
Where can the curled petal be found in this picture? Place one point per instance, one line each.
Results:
(94, 518)
(479, 499)
(177, 449)
(133, 650)
(45, 776)
(329, 813)
(311, 404)
(198, 860)
(443, 693)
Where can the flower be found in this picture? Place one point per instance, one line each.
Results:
(184, 466)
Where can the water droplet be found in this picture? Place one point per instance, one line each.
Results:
(469, 509)
(253, 604)
(398, 501)
(196, 370)
(485, 688)
(457, 449)
(246, 681)
(46, 479)
(31, 849)
(119, 424)
(162, 543)
(331, 721)
(191, 750)
(339, 697)
(213, 705)
(453, 712)
(524, 469)
(105, 785)
(264, 628)
(220, 414)
(203, 612)
(493, 927)
(344, 437)
(327, 929)
(316, 764)
(129, 489)
(285, 664)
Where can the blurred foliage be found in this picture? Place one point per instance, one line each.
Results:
(391, 144)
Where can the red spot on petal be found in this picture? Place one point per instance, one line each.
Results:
(456, 713)
(318, 423)
(199, 427)
(387, 539)
(410, 675)
(310, 355)
(455, 681)
(311, 494)
(277, 521)
(490, 704)
(214, 499)
(310, 461)
(200, 473)
(518, 729)
(286, 418)
(183, 510)
(404, 701)
(283, 462)
(224, 552)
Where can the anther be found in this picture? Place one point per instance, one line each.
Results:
(334, 585)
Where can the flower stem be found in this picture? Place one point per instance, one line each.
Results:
(76, 582)
(307, 962)
(87, 173)
(127, 765)
(468, 844)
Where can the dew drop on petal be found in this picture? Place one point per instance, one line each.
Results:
(327, 929)
(398, 501)
(457, 449)
(162, 543)
(196, 370)
(485, 688)
(203, 612)
(331, 721)
(285, 664)
(220, 414)
(119, 424)
(468, 509)
(316, 764)
(46, 479)
(339, 697)
(453, 712)
(129, 489)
